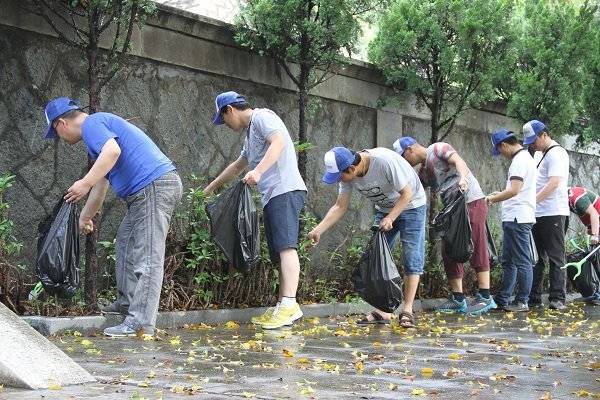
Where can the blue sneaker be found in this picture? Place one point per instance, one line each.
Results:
(122, 330)
(481, 305)
(453, 306)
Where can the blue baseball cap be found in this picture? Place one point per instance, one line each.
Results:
(223, 100)
(498, 137)
(54, 109)
(532, 130)
(336, 160)
(403, 143)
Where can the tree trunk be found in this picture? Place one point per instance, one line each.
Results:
(91, 241)
(433, 257)
(302, 102)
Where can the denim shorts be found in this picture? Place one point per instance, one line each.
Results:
(281, 217)
(410, 228)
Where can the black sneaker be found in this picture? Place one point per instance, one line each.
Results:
(517, 307)
(535, 304)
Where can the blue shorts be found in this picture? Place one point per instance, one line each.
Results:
(410, 228)
(281, 217)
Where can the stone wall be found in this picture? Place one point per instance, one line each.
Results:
(180, 62)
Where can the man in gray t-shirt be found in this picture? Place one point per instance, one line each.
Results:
(393, 186)
(269, 151)
(446, 172)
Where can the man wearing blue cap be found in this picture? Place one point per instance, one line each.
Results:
(393, 186)
(446, 172)
(552, 210)
(518, 217)
(269, 151)
(146, 180)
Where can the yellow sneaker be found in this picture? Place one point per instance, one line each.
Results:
(282, 317)
(263, 317)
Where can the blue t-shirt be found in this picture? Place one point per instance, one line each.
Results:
(141, 162)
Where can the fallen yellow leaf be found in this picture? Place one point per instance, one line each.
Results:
(454, 356)
(427, 371)
(175, 341)
(287, 353)
(249, 395)
(55, 386)
(418, 392)
(232, 325)
(86, 343)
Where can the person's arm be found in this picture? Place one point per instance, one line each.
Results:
(232, 170)
(106, 160)
(553, 183)
(515, 187)
(594, 223)
(92, 205)
(335, 213)
(463, 171)
(387, 222)
(276, 146)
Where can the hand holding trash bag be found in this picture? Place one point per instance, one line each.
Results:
(234, 226)
(453, 225)
(376, 277)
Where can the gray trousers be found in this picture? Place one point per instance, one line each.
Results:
(140, 249)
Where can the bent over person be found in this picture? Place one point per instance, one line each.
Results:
(388, 181)
(147, 181)
(269, 151)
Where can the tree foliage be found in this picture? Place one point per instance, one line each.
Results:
(445, 52)
(547, 71)
(305, 38)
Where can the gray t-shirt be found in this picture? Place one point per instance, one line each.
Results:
(443, 177)
(387, 175)
(283, 176)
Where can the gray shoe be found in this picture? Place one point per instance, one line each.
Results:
(517, 307)
(557, 305)
(122, 330)
(113, 309)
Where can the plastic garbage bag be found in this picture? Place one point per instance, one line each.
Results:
(234, 226)
(492, 249)
(58, 250)
(585, 279)
(376, 278)
(453, 226)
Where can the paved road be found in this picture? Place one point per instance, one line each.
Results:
(540, 355)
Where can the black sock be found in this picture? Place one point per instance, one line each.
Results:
(458, 296)
(485, 293)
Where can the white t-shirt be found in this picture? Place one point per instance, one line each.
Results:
(387, 175)
(522, 206)
(556, 163)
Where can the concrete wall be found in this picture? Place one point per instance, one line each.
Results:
(180, 62)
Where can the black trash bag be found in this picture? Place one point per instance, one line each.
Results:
(453, 226)
(234, 226)
(588, 282)
(376, 278)
(58, 250)
(492, 249)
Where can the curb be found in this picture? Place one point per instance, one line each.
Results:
(176, 319)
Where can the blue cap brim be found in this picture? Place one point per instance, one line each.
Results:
(50, 132)
(495, 151)
(332, 177)
(529, 140)
(218, 119)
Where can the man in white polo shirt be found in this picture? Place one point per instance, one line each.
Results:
(552, 210)
(518, 217)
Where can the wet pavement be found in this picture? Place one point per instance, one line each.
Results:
(540, 355)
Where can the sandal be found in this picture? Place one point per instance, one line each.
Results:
(377, 320)
(407, 320)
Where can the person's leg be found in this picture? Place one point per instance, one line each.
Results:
(555, 239)
(537, 286)
(151, 210)
(123, 251)
(522, 257)
(454, 272)
(509, 271)
(284, 224)
(411, 224)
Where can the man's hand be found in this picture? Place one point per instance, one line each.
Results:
(77, 191)
(314, 236)
(386, 224)
(252, 177)
(86, 225)
(488, 198)
(594, 239)
(463, 184)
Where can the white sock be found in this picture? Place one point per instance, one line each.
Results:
(288, 301)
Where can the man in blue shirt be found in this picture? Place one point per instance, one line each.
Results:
(146, 180)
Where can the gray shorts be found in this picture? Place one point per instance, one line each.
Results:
(281, 217)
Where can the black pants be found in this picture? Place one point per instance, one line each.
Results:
(549, 236)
